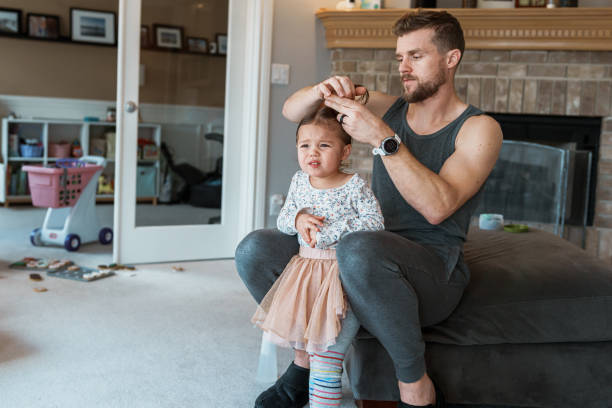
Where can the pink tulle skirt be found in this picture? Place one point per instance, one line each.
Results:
(306, 304)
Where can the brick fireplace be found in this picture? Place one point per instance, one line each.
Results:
(546, 82)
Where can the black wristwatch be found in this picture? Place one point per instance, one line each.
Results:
(389, 146)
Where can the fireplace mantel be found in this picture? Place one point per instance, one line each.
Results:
(587, 29)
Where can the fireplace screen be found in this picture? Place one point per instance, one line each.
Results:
(577, 134)
(529, 185)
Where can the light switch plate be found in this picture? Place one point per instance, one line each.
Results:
(280, 74)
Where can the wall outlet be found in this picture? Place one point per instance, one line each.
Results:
(276, 203)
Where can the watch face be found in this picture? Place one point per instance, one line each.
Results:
(390, 145)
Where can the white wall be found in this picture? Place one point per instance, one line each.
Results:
(298, 40)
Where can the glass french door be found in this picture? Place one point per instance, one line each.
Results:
(190, 134)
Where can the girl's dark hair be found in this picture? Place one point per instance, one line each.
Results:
(329, 117)
(448, 33)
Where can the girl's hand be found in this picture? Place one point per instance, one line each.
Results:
(308, 226)
(313, 238)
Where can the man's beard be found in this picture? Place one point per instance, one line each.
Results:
(424, 90)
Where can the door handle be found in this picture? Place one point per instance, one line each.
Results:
(130, 107)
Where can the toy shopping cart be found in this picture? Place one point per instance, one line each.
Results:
(69, 190)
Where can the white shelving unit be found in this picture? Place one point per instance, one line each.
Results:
(53, 131)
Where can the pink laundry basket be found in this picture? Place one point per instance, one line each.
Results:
(60, 186)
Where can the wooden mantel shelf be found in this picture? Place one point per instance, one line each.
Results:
(587, 29)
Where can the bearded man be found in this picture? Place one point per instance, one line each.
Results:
(432, 155)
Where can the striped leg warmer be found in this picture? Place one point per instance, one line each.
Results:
(326, 379)
(325, 385)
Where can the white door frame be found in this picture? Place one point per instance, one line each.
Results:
(257, 52)
(248, 64)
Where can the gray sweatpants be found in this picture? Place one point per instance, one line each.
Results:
(394, 286)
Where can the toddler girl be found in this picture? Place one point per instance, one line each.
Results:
(306, 307)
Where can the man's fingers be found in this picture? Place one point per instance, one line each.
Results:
(336, 106)
(348, 87)
(341, 105)
(323, 91)
(341, 86)
(360, 90)
(344, 102)
(335, 84)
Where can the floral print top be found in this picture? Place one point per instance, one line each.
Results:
(348, 208)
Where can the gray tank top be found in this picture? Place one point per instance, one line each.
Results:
(432, 151)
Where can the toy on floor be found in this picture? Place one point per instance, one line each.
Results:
(69, 191)
(116, 267)
(31, 264)
(81, 273)
(56, 265)
(66, 269)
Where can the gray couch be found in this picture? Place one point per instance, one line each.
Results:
(533, 329)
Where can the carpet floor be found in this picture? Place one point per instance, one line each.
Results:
(153, 337)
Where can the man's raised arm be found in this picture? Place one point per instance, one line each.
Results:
(307, 100)
(301, 103)
(435, 196)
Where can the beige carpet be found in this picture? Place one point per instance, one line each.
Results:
(150, 338)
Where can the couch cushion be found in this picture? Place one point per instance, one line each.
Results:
(529, 287)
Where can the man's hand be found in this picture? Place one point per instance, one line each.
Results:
(308, 226)
(307, 100)
(338, 85)
(359, 121)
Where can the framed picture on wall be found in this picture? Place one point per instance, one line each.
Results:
(10, 21)
(222, 44)
(93, 26)
(167, 36)
(43, 26)
(145, 37)
(197, 45)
